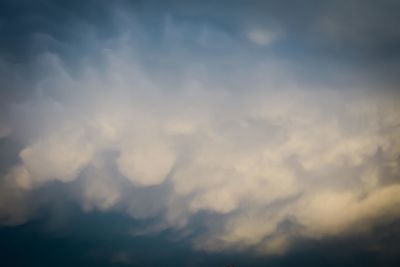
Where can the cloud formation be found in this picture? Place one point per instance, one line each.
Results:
(266, 157)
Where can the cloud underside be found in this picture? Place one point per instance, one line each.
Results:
(268, 164)
(209, 130)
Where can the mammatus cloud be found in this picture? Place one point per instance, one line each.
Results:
(266, 158)
(273, 163)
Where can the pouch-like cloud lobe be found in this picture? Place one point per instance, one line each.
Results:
(266, 155)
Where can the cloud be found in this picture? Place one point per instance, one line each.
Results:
(263, 37)
(265, 157)
(4, 131)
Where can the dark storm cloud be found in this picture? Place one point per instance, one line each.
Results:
(355, 29)
(327, 36)
(99, 240)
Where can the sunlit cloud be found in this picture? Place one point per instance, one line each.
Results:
(267, 154)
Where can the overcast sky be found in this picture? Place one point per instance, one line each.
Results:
(199, 133)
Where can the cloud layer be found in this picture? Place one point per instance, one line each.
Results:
(253, 155)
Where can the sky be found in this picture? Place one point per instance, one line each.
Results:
(199, 133)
